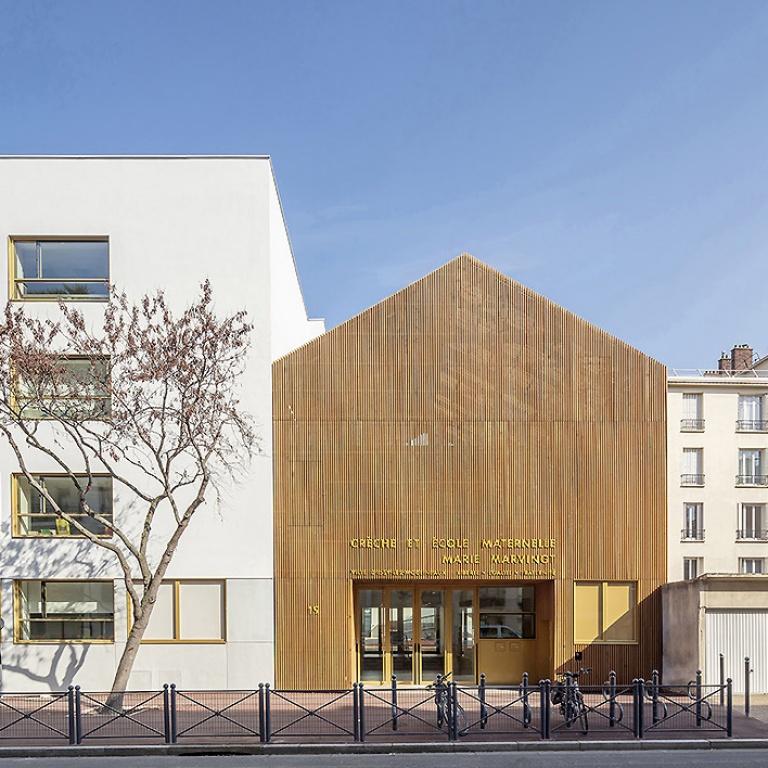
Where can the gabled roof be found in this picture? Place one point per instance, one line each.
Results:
(466, 341)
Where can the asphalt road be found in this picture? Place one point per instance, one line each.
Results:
(695, 758)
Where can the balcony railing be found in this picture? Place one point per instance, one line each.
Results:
(700, 373)
(692, 534)
(754, 534)
(691, 425)
(747, 425)
(691, 479)
(751, 479)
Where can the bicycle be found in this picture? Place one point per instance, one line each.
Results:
(567, 694)
(446, 707)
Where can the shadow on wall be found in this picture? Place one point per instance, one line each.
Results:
(64, 666)
(50, 666)
(615, 651)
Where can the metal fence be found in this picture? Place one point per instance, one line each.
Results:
(446, 710)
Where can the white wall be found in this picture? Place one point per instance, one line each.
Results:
(171, 223)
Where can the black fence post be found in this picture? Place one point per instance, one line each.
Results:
(483, 708)
(355, 713)
(544, 703)
(261, 712)
(729, 713)
(71, 714)
(78, 717)
(635, 729)
(638, 694)
(267, 714)
(174, 719)
(394, 701)
(655, 695)
(612, 699)
(526, 708)
(747, 671)
(361, 694)
(166, 713)
(722, 679)
(698, 698)
(453, 711)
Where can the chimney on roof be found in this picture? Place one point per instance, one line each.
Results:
(741, 357)
(724, 363)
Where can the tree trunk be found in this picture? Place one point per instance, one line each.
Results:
(124, 667)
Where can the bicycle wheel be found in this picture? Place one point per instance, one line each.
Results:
(569, 711)
(442, 714)
(462, 721)
(581, 712)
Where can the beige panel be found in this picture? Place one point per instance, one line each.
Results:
(503, 661)
(163, 619)
(586, 612)
(619, 612)
(201, 610)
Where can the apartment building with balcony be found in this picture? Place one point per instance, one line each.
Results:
(718, 467)
(717, 442)
(74, 227)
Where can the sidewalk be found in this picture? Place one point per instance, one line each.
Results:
(749, 733)
(142, 732)
(758, 707)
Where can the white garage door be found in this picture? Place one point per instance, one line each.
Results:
(737, 634)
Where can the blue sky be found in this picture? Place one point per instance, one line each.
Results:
(610, 155)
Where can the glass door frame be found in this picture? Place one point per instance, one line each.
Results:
(417, 589)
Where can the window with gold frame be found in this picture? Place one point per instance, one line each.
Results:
(64, 610)
(605, 612)
(59, 268)
(34, 517)
(188, 611)
(74, 387)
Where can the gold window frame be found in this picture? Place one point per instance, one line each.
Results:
(601, 611)
(177, 615)
(105, 398)
(16, 530)
(13, 280)
(18, 618)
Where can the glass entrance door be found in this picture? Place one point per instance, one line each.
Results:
(401, 634)
(406, 632)
(463, 635)
(432, 635)
(371, 635)
(420, 631)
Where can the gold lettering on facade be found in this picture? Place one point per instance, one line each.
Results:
(521, 559)
(461, 559)
(438, 543)
(370, 542)
(518, 543)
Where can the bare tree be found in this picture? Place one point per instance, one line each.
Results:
(149, 398)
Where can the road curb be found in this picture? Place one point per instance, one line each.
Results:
(202, 750)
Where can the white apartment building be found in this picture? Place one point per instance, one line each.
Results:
(139, 224)
(717, 599)
(718, 468)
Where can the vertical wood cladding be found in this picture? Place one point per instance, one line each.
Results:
(464, 407)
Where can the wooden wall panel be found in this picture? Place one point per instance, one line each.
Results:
(464, 407)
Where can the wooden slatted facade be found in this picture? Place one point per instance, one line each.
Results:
(465, 407)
